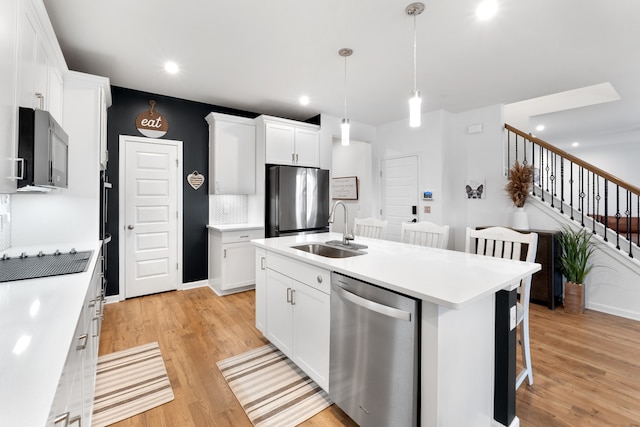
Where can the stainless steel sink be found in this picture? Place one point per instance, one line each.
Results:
(327, 251)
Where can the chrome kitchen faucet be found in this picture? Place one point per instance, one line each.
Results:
(346, 236)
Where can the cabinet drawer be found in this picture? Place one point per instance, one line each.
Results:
(310, 275)
(242, 235)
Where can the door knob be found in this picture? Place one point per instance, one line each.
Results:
(130, 227)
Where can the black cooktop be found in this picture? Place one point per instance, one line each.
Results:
(35, 266)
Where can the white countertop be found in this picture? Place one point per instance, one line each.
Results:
(448, 278)
(42, 313)
(234, 227)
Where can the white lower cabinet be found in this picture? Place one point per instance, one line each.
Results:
(231, 256)
(297, 306)
(73, 401)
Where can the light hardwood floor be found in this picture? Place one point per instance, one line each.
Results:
(586, 367)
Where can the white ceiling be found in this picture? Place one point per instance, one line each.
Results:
(261, 55)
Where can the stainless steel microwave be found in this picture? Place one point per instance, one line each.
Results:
(43, 151)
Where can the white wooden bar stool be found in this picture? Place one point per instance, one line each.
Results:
(425, 233)
(369, 227)
(502, 242)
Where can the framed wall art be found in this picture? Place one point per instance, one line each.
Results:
(344, 188)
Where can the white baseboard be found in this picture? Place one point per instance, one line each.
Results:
(112, 299)
(232, 291)
(633, 315)
(193, 285)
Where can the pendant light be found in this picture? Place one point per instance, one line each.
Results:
(344, 127)
(415, 103)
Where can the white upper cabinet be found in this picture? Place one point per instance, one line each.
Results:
(41, 66)
(288, 142)
(232, 154)
(32, 73)
(87, 98)
(8, 110)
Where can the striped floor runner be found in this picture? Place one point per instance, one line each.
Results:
(272, 390)
(129, 382)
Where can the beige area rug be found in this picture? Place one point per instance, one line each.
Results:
(272, 390)
(130, 382)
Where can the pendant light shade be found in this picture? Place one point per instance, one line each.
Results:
(415, 102)
(415, 111)
(344, 127)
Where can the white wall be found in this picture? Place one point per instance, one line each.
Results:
(620, 160)
(353, 160)
(427, 141)
(348, 164)
(449, 156)
(477, 156)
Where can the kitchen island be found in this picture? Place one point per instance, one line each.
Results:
(460, 325)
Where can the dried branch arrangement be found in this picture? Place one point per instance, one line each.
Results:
(520, 181)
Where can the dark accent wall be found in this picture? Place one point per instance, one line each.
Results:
(186, 124)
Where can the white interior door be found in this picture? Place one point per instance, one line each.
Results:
(399, 192)
(152, 196)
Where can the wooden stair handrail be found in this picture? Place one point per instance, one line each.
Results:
(576, 160)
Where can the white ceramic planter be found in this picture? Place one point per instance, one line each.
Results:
(520, 219)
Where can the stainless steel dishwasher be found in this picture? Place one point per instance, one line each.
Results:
(375, 353)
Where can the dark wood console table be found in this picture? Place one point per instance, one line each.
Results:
(546, 284)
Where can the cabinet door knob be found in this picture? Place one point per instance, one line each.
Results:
(262, 260)
(293, 292)
(130, 227)
(289, 295)
(319, 278)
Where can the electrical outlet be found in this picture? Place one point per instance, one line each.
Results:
(427, 209)
(225, 208)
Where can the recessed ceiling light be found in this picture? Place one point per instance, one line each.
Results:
(304, 100)
(487, 9)
(575, 144)
(540, 128)
(171, 67)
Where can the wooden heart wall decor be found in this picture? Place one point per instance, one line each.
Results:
(195, 179)
(151, 123)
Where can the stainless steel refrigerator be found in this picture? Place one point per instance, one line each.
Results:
(297, 200)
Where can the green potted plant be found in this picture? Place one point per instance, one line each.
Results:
(576, 248)
(519, 184)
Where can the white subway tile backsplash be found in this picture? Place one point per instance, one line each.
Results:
(228, 209)
(5, 221)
